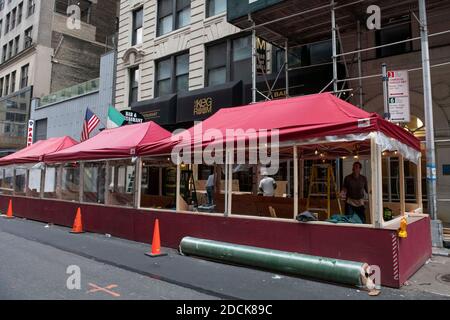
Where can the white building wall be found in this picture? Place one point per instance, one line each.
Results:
(192, 38)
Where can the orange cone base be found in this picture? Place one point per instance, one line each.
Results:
(77, 232)
(149, 254)
(7, 217)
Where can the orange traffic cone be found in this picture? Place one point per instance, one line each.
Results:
(78, 224)
(156, 243)
(9, 213)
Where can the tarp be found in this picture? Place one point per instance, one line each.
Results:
(36, 152)
(115, 143)
(297, 119)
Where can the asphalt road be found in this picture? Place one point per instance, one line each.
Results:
(34, 259)
(30, 270)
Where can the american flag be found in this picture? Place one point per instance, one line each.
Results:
(90, 122)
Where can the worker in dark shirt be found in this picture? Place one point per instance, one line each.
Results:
(353, 191)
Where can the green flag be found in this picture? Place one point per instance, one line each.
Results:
(115, 118)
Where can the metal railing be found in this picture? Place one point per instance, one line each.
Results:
(71, 92)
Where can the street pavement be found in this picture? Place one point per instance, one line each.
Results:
(34, 258)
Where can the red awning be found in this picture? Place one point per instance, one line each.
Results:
(297, 119)
(36, 152)
(113, 143)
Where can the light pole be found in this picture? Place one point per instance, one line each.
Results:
(436, 225)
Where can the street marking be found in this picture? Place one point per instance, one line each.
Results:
(106, 289)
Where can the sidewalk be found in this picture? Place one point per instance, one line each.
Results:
(215, 279)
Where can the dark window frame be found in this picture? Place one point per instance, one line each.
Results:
(208, 9)
(174, 13)
(229, 56)
(173, 73)
(131, 86)
(135, 27)
(402, 48)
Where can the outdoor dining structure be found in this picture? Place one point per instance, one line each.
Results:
(125, 178)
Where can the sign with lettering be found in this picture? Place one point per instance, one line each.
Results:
(399, 104)
(133, 117)
(30, 134)
(203, 106)
(261, 52)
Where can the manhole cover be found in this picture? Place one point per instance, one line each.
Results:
(445, 278)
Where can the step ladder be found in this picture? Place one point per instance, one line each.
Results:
(322, 187)
(130, 188)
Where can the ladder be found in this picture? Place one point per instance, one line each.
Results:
(322, 187)
(130, 188)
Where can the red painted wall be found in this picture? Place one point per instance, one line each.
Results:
(374, 246)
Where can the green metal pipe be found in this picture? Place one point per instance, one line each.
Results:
(332, 270)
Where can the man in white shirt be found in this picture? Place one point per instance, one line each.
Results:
(267, 186)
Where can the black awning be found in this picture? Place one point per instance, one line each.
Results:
(161, 110)
(200, 104)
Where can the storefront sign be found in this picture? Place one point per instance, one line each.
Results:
(200, 104)
(133, 117)
(160, 110)
(399, 105)
(203, 106)
(30, 135)
(261, 51)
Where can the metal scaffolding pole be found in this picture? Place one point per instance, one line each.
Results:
(254, 65)
(286, 63)
(360, 84)
(333, 43)
(429, 125)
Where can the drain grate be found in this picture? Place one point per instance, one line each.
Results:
(445, 278)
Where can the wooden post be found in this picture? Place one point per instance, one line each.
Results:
(14, 182)
(59, 187)
(419, 183)
(137, 183)
(107, 182)
(376, 201)
(401, 168)
(178, 195)
(81, 187)
(230, 183)
(295, 182)
(42, 185)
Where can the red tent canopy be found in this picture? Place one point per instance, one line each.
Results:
(113, 143)
(299, 118)
(37, 151)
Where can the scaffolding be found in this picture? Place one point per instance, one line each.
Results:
(279, 26)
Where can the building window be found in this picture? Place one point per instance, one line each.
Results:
(10, 49)
(7, 85)
(2, 82)
(1, 27)
(28, 38)
(216, 65)
(134, 85)
(4, 52)
(2, 4)
(19, 13)
(394, 33)
(137, 26)
(172, 75)
(167, 10)
(229, 61)
(31, 7)
(214, 7)
(40, 132)
(13, 81)
(13, 18)
(24, 76)
(16, 45)
(7, 23)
